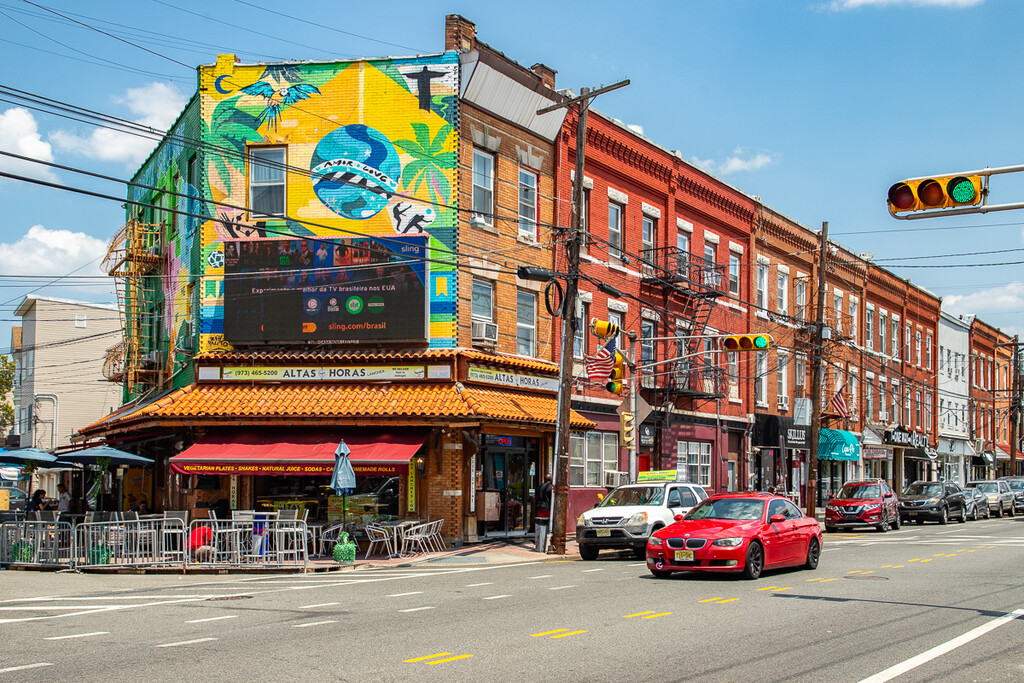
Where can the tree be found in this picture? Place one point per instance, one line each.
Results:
(6, 384)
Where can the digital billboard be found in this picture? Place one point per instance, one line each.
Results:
(317, 289)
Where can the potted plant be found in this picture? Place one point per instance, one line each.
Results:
(344, 550)
(99, 554)
(22, 551)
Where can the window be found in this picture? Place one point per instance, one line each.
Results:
(883, 331)
(483, 300)
(528, 204)
(483, 185)
(266, 181)
(854, 322)
(761, 380)
(895, 338)
(928, 351)
(712, 276)
(615, 229)
(917, 347)
(781, 378)
(526, 323)
(942, 413)
(615, 317)
(869, 398)
(906, 343)
(762, 285)
(579, 342)
(801, 373)
(734, 375)
(648, 229)
(734, 274)
(837, 304)
(683, 253)
(79, 319)
(783, 293)
(591, 455)
(801, 298)
(647, 347)
(906, 407)
(693, 462)
(920, 410)
(869, 327)
(894, 414)
(854, 395)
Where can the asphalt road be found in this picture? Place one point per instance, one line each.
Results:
(931, 603)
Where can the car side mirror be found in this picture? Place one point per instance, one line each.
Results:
(777, 519)
(678, 518)
(831, 496)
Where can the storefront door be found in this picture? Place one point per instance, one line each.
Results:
(510, 482)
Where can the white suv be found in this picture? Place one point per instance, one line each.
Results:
(627, 516)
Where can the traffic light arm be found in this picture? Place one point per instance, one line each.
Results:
(984, 208)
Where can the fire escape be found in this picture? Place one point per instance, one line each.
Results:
(133, 258)
(688, 287)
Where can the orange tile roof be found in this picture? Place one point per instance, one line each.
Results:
(209, 404)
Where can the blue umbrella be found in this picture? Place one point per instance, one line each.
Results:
(343, 479)
(26, 456)
(90, 456)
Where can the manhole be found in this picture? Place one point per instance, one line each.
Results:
(869, 577)
(229, 597)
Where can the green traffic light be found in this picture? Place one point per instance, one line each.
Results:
(761, 341)
(961, 190)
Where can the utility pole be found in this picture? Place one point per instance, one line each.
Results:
(560, 487)
(816, 356)
(1015, 406)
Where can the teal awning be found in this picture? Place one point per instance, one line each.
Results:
(836, 444)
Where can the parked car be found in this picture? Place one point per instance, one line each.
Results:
(18, 498)
(863, 503)
(977, 504)
(999, 494)
(1017, 486)
(938, 501)
(627, 516)
(736, 532)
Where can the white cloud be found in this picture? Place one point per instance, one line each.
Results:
(841, 5)
(19, 134)
(1008, 297)
(155, 105)
(43, 252)
(740, 160)
(636, 128)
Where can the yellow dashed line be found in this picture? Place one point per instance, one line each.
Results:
(782, 589)
(939, 555)
(855, 571)
(928, 560)
(420, 659)
(548, 633)
(962, 550)
(971, 551)
(709, 599)
(897, 566)
(951, 555)
(655, 616)
(722, 602)
(827, 580)
(886, 566)
(915, 560)
(570, 633)
(638, 614)
(767, 588)
(449, 659)
(868, 572)
(818, 579)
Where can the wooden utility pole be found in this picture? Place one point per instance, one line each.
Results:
(1015, 406)
(817, 352)
(560, 487)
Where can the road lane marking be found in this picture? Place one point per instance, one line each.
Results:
(638, 614)
(782, 589)
(897, 566)
(637, 564)
(402, 595)
(570, 633)
(587, 571)
(187, 642)
(709, 599)
(474, 585)
(542, 576)
(420, 659)
(314, 623)
(939, 650)
(827, 580)
(927, 560)
(201, 621)
(319, 604)
(867, 572)
(558, 588)
(449, 659)
(886, 566)
(722, 602)
(809, 580)
(655, 616)
(767, 588)
(80, 635)
(916, 559)
(416, 609)
(497, 597)
(855, 571)
(548, 633)
(23, 667)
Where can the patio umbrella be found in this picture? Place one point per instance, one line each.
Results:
(90, 456)
(343, 479)
(26, 456)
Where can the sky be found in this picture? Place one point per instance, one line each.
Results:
(815, 106)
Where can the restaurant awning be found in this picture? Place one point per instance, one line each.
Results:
(984, 459)
(837, 444)
(921, 453)
(373, 453)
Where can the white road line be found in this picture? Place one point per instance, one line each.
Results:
(587, 571)
(558, 588)
(187, 642)
(637, 564)
(322, 604)
(497, 597)
(203, 621)
(542, 576)
(474, 585)
(24, 667)
(80, 635)
(416, 609)
(402, 595)
(939, 650)
(314, 623)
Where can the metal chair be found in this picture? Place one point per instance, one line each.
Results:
(289, 535)
(378, 536)
(172, 536)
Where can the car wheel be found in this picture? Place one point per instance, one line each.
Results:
(883, 527)
(963, 515)
(974, 514)
(587, 553)
(660, 574)
(944, 517)
(999, 512)
(754, 563)
(1013, 511)
(896, 523)
(813, 554)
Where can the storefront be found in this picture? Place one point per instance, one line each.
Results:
(838, 456)
(507, 479)
(983, 466)
(780, 456)
(955, 457)
(913, 458)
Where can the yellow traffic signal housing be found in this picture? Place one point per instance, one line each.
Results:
(940, 192)
(748, 342)
(627, 423)
(616, 384)
(603, 328)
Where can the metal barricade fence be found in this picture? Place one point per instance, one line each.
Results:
(36, 543)
(130, 543)
(249, 543)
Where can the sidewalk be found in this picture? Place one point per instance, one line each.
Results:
(492, 552)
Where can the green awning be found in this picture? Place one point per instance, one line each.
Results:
(836, 444)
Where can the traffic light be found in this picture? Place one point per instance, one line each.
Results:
(616, 379)
(748, 342)
(627, 423)
(940, 192)
(603, 328)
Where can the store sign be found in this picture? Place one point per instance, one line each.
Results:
(905, 438)
(353, 373)
(307, 469)
(874, 453)
(646, 435)
(796, 437)
(509, 379)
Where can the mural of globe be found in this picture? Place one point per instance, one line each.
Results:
(355, 170)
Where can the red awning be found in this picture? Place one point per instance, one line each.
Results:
(307, 454)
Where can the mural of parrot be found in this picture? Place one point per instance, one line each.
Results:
(277, 99)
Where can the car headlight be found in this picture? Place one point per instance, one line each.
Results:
(831, 507)
(728, 542)
(582, 521)
(637, 519)
(932, 501)
(653, 540)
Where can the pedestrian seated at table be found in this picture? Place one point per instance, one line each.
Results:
(200, 544)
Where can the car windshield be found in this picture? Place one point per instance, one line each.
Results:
(986, 486)
(923, 490)
(636, 495)
(728, 508)
(859, 491)
(1016, 484)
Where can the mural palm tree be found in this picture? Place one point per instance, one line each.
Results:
(430, 163)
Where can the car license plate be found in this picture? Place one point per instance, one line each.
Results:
(912, 514)
(684, 556)
(604, 532)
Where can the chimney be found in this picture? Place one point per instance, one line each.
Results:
(459, 33)
(546, 73)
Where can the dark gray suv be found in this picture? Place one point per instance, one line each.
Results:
(939, 501)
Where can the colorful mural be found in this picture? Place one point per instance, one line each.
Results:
(369, 151)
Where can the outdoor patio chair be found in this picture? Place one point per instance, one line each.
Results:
(172, 536)
(46, 515)
(378, 536)
(434, 537)
(417, 536)
(289, 535)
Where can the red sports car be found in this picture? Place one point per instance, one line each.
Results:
(736, 532)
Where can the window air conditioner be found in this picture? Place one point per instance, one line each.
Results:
(613, 479)
(883, 416)
(485, 331)
(154, 250)
(478, 220)
(979, 446)
(783, 403)
(154, 359)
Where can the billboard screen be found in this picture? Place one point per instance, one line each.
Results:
(317, 289)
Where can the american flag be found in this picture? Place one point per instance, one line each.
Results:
(838, 403)
(599, 366)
